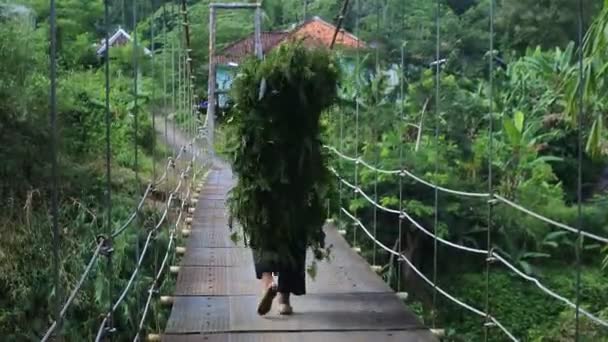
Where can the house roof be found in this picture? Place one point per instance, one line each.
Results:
(236, 51)
(120, 33)
(323, 32)
(314, 32)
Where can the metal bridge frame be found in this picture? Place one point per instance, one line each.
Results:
(213, 8)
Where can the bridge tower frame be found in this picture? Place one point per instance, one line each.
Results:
(212, 86)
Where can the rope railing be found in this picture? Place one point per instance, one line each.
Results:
(163, 265)
(160, 272)
(402, 214)
(123, 294)
(97, 252)
(493, 254)
(497, 197)
(165, 259)
(74, 293)
(103, 245)
(149, 188)
(490, 197)
(550, 221)
(425, 278)
(99, 247)
(404, 172)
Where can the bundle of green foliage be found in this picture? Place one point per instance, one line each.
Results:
(277, 151)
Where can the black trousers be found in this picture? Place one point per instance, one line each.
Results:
(292, 274)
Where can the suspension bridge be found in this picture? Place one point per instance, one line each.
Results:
(216, 292)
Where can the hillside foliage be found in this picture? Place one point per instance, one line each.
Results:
(387, 114)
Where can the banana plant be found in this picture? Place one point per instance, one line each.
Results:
(523, 141)
(593, 86)
(520, 255)
(522, 135)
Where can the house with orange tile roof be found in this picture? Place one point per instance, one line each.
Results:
(314, 32)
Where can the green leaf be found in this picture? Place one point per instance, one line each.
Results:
(554, 235)
(526, 266)
(550, 244)
(234, 237)
(594, 144)
(512, 132)
(535, 255)
(591, 247)
(546, 159)
(518, 120)
(312, 270)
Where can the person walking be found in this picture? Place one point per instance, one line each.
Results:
(277, 155)
(291, 276)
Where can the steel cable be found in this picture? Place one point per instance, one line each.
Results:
(107, 317)
(406, 172)
(108, 153)
(137, 216)
(54, 164)
(427, 280)
(357, 114)
(436, 163)
(579, 178)
(550, 221)
(123, 294)
(77, 288)
(469, 194)
(405, 215)
(491, 252)
(61, 311)
(490, 204)
(163, 264)
(115, 234)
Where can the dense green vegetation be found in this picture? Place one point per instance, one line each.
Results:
(534, 155)
(534, 159)
(26, 275)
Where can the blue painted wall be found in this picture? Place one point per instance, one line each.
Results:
(225, 75)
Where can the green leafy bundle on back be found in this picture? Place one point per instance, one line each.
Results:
(277, 153)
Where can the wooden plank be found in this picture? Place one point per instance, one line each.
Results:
(217, 257)
(196, 314)
(237, 278)
(216, 281)
(353, 336)
(217, 293)
(210, 238)
(322, 312)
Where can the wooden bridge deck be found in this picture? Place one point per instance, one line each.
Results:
(217, 293)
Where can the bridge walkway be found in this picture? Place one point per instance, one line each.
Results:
(217, 293)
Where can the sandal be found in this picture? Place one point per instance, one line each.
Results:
(266, 303)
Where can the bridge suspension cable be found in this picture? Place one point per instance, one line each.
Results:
(109, 249)
(103, 245)
(493, 254)
(492, 198)
(425, 278)
(405, 172)
(123, 294)
(54, 165)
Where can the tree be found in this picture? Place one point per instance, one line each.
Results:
(547, 23)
